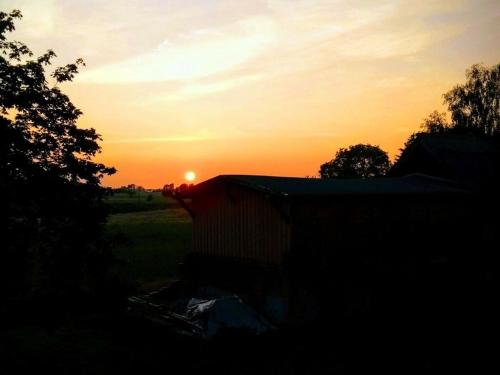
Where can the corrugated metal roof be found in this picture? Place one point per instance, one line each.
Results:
(302, 187)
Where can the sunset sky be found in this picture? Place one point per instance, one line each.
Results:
(255, 87)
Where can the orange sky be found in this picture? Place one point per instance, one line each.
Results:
(262, 87)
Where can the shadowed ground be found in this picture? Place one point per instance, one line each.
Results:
(152, 243)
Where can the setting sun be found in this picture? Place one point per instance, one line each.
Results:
(208, 175)
(215, 83)
(190, 176)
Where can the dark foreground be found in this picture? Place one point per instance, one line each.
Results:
(447, 334)
(112, 342)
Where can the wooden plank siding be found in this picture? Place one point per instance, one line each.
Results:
(239, 223)
(379, 223)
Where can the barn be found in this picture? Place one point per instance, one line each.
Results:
(288, 237)
(265, 219)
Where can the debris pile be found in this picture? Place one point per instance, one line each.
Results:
(204, 313)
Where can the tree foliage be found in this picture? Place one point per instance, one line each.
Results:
(358, 161)
(49, 183)
(436, 123)
(474, 105)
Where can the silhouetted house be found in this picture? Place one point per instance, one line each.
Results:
(471, 161)
(276, 235)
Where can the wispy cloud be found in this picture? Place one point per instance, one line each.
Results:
(202, 135)
(219, 79)
(41, 18)
(140, 42)
(196, 89)
(200, 53)
(187, 138)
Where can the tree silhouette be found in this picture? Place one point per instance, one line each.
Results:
(474, 108)
(358, 161)
(474, 105)
(52, 211)
(436, 123)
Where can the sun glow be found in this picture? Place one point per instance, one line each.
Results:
(190, 176)
(255, 87)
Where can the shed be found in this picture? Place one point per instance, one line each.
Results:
(337, 247)
(266, 219)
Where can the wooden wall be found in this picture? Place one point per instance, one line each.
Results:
(239, 223)
(242, 224)
(378, 223)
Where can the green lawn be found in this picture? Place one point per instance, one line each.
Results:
(138, 201)
(152, 243)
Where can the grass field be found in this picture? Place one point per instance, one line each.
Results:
(138, 201)
(150, 236)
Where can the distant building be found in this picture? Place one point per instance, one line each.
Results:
(471, 161)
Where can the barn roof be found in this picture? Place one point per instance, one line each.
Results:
(472, 161)
(315, 187)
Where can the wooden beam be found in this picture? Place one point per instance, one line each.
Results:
(184, 205)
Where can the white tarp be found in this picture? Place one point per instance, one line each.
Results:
(225, 312)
